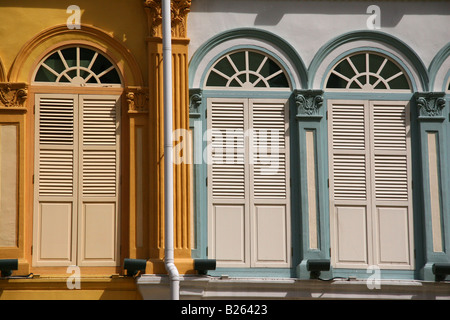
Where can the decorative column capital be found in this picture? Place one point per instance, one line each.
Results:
(179, 9)
(137, 99)
(308, 103)
(195, 100)
(430, 105)
(13, 95)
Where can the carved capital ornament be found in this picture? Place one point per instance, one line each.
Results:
(308, 103)
(179, 9)
(430, 105)
(13, 95)
(137, 99)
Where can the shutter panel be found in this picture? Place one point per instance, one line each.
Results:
(349, 188)
(269, 201)
(56, 183)
(392, 208)
(98, 194)
(227, 171)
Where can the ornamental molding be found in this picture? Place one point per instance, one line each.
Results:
(195, 100)
(13, 95)
(430, 105)
(308, 103)
(137, 99)
(179, 9)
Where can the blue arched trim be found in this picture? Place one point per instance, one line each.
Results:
(436, 64)
(286, 70)
(368, 35)
(370, 49)
(249, 33)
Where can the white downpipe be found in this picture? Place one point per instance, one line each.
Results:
(174, 278)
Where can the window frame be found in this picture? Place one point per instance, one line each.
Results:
(67, 69)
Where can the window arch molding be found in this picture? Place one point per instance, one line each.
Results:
(260, 57)
(379, 41)
(77, 65)
(439, 70)
(31, 54)
(385, 58)
(213, 48)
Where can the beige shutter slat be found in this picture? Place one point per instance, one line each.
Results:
(391, 177)
(99, 122)
(228, 165)
(269, 150)
(389, 123)
(56, 121)
(99, 173)
(56, 173)
(348, 131)
(350, 177)
(99, 147)
(349, 151)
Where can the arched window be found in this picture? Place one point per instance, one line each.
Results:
(77, 66)
(248, 168)
(367, 71)
(247, 70)
(77, 159)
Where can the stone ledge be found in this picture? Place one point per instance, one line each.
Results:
(205, 287)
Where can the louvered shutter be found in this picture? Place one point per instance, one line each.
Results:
(248, 172)
(269, 175)
(55, 179)
(99, 141)
(392, 208)
(228, 175)
(370, 184)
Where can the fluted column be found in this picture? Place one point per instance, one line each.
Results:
(182, 190)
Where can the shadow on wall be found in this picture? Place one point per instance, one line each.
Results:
(270, 13)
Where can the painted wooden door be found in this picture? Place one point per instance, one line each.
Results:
(248, 194)
(76, 180)
(370, 184)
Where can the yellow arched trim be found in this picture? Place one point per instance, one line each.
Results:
(43, 43)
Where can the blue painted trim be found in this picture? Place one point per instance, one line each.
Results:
(249, 33)
(442, 129)
(370, 49)
(436, 64)
(367, 35)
